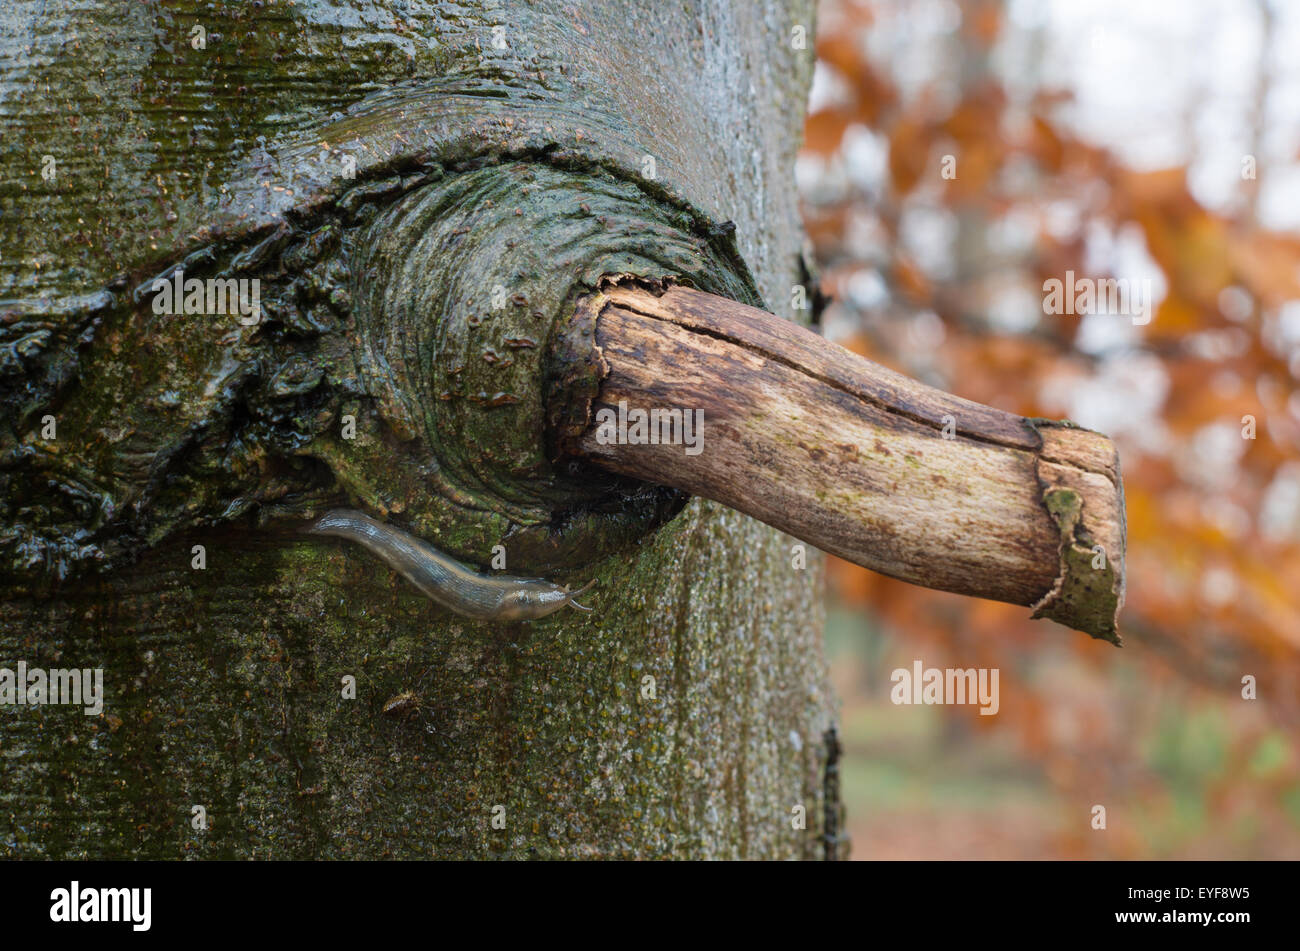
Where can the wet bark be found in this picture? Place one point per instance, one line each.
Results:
(422, 190)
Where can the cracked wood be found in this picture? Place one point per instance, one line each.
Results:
(853, 458)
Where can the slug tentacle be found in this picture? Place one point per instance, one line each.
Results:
(586, 587)
(445, 580)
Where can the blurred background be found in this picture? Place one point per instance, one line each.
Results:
(1118, 138)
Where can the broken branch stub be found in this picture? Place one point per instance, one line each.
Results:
(719, 399)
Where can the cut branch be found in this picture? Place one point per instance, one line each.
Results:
(844, 454)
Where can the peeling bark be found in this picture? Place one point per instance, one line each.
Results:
(838, 451)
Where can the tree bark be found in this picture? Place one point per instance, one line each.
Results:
(421, 196)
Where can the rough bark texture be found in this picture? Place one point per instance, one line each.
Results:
(423, 189)
(847, 455)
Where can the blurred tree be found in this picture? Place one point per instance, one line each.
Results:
(940, 193)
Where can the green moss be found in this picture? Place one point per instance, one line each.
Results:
(1085, 597)
(224, 686)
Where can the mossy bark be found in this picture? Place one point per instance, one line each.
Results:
(302, 144)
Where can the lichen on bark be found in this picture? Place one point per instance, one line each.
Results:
(273, 153)
(1089, 589)
(1084, 596)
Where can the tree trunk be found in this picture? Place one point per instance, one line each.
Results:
(421, 197)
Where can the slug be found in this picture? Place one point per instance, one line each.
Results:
(444, 579)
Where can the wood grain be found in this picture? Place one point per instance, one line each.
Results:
(855, 459)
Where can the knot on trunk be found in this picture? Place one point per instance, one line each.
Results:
(461, 288)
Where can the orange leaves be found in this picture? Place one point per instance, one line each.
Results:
(1202, 266)
(1197, 399)
(1045, 145)
(873, 95)
(974, 152)
(1200, 252)
(909, 280)
(1161, 193)
(1201, 570)
(1194, 252)
(982, 22)
(1004, 371)
(1267, 265)
(1213, 514)
(1175, 317)
(824, 129)
(909, 153)
(973, 126)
